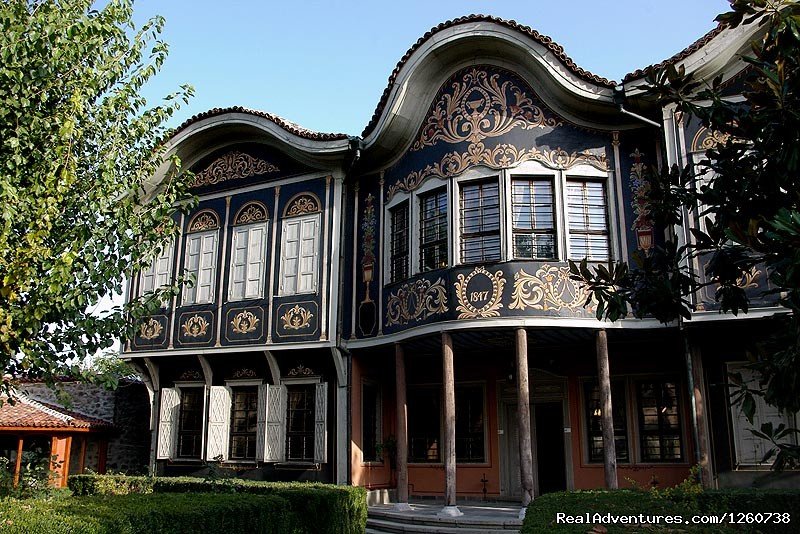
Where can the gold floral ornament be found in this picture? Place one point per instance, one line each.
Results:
(150, 329)
(416, 301)
(549, 289)
(749, 279)
(706, 139)
(478, 106)
(251, 213)
(296, 318)
(300, 370)
(302, 205)
(244, 372)
(490, 298)
(500, 157)
(205, 220)
(195, 326)
(244, 322)
(232, 166)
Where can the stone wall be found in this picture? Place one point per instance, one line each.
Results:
(127, 408)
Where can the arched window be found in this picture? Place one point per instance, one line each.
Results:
(201, 257)
(300, 245)
(248, 252)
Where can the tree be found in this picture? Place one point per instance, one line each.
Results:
(747, 191)
(77, 146)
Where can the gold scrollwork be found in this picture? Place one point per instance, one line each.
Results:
(251, 213)
(478, 106)
(501, 156)
(296, 318)
(150, 329)
(493, 297)
(749, 279)
(302, 205)
(706, 139)
(244, 372)
(416, 301)
(232, 166)
(244, 322)
(205, 220)
(195, 326)
(549, 289)
(300, 370)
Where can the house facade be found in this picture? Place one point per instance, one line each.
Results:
(395, 310)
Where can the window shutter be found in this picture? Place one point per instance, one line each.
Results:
(320, 424)
(261, 422)
(219, 413)
(148, 280)
(208, 267)
(192, 267)
(276, 424)
(168, 423)
(290, 256)
(163, 266)
(307, 275)
(255, 261)
(238, 264)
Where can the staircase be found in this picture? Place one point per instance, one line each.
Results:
(481, 518)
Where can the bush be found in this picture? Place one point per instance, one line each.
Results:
(322, 508)
(541, 514)
(129, 514)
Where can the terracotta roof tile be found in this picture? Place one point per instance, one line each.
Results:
(280, 121)
(514, 25)
(30, 413)
(683, 54)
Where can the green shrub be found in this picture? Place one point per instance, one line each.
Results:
(318, 508)
(130, 514)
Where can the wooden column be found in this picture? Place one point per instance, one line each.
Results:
(701, 420)
(402, 427)
(82, 455)
(524, 418)
(102, 455)
(607, 418)
(60, 448)
(448, 378)
(18, 464)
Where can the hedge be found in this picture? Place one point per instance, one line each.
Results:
(129, 514)
(322, 508)
(541, 513)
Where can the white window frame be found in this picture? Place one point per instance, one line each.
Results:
(155, 270)
(252, 260)
(316, 218)
(428, 186)
(190, 294)
(481, 174)
(589, 173)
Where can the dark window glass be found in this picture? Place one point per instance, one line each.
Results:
(594, 421)
(587, 214)
(533, 219)
(480, 222)
(399, 243)
(300, 423)
(469, 424)
(370, 414)
(190, 424)
(424, 424)
(659, 421)
(244, 419)
(433, 231)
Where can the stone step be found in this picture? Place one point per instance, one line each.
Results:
(381, 526)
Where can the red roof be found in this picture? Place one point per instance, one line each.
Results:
(33, 414)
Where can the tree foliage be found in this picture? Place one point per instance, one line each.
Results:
(747, 193)
(78, 144)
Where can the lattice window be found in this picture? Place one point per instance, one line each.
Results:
(399, 242)
(433, 230)
(190, 426)
(533, 218)
(244, 418)
(300, 422)
(587, 213)
(480, 222)
(659, 421)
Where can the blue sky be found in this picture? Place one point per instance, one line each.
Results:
(324, 65)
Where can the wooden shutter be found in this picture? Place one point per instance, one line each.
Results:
(290, 256)
(219, 424)
(254, 278)
(261, 422)
(275, 446)
(309, 255)
(320, 424)
(192, 267)
(238, 263)
(163, 266)
(148, 280)
(168, 423)
(208, 268)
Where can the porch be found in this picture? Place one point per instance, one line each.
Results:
(423, 517)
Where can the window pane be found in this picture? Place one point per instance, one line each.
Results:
(433, 231)
(424, 433)
(587, 215)
(190, 424)
(370, 413)
(244, 420)
(594, 421)
(480, 222)
(659, 421)
(470, 445)
(533, 219)
(300, 423)
(399, 243)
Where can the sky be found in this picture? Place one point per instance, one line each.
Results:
(324, 64)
